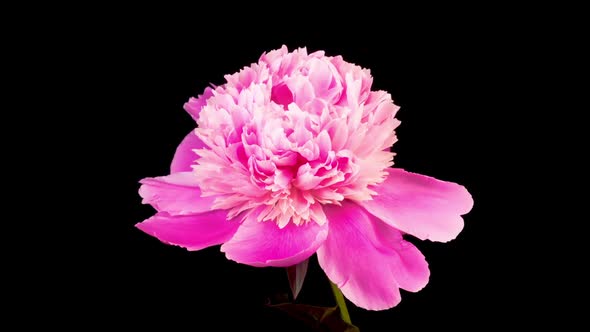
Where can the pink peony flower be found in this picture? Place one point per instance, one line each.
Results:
(291, 157)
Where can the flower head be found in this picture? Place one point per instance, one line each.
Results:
(291, 157)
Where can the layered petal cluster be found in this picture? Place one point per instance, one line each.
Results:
(291, 157)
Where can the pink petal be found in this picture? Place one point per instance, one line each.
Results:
(265, 244)
(185, 156)
(368, 260)
(420, 205)
(194, 105)
(175, 194)
(193, 232)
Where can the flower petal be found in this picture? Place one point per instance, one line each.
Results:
(194, 105)
(420, 205)
(176, 193)
(185, 156)
(368, 260)
(193, 232)
(263, 243)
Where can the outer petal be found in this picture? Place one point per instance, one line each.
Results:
(185, 156)
(176, 193)
(265, 244)
(368, 260)
(193, 232)
(420, 205)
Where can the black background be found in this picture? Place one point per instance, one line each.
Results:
(452, 83)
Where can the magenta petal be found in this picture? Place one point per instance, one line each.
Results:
(368, 260)
(176, 193)
(185, 156)
(420, 205)
(265, 244)
(193, 232)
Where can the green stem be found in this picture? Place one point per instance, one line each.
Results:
(341, 303)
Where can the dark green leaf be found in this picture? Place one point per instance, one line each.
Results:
(321, 319)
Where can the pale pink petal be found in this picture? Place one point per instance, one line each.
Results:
(420, 205)
(265, 244)
(194, 105)
(193, 232)
(176, 193)
(368, 260)
(185, 156)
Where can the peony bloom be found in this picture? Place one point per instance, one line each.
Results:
(291, 157)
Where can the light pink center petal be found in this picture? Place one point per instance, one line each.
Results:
(265, 244)
(368, 260)
(177, 193)
(420, 205)
(193, 232)
(185, 156)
